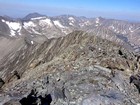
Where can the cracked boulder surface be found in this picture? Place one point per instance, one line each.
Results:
(78, 69)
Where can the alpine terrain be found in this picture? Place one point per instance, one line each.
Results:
(69, 60)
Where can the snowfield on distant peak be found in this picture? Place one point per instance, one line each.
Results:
(29, 24)
(13, 25)
(71, 18)
(57, 23)
(37, 18)
(97, 20)
(71, 24)
(3, 20)
(45, 22)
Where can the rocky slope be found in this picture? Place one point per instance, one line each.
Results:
(77, 69)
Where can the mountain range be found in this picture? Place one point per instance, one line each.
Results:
(34, 25)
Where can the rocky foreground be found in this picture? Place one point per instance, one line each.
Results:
(78, 69)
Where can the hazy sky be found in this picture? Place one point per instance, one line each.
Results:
(121, 9)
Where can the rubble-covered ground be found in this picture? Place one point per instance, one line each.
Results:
(78, 69)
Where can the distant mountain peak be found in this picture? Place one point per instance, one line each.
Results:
(100, 18)
(32, 15)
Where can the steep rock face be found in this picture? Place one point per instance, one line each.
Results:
(79, 69)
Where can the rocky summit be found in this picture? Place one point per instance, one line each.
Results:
(77, 69)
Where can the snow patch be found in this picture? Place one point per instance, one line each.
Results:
(71, 19)
(3, 20)
(32, 42)
(81, 25)
(19, 34)
(64, 31)
(130, 29)
(111, 27)
(46, 22)
(29, 24)
(71, 24)
(97, 20)
(57, 23)
(13, 33)
(13, 25)
(38, 18)
(19, 31)
(87, 23)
